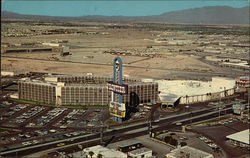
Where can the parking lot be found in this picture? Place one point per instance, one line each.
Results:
(24, 117)
(194, 140)
(217, 134)
(70, 119)
(30, 124)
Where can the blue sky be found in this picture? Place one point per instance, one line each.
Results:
(110, 8)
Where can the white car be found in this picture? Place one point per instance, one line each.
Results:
(26, 143)
(35, 141)
(13, 138)
(178, 123)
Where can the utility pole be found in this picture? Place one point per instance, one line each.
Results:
(101, 123)
(150, 126)
(0, 75)
(219, 112)
(191, 117)
(101, 135)
(219, 106)
(248, 103)
(150, 118)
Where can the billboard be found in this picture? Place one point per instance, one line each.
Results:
(121, 89)
(117, 109)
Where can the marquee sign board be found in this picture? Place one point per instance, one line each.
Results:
(121, 89)
(117, 109)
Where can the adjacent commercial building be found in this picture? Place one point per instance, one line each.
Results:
(238, 108)
(129, 146)
(188, 152)
(140, 153)
(243, 82)
(174, 92)
(100, 151)
(240, 139)
(83, 90)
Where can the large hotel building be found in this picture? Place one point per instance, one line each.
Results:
(82, 90)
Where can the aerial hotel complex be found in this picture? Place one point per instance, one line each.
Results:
(82, 90)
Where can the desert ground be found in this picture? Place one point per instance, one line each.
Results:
(154, 53)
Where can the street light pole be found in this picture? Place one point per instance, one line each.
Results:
(101, 135)
(219, 113)
(150, 122)
(101, 123)
(248, 100)
(191, 117)
(150, 126)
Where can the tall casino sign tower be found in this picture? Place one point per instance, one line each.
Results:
(117, 108)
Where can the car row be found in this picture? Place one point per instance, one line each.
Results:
(12, 110)
(230, 120)
(19, 107)
(48, 117)
(209, 142)
(6, 103)
(70, 118)
(33, 142)
(32, 112)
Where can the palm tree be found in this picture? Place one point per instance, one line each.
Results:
(99, 156)
(91, 153)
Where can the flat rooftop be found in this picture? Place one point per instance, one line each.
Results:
(246, 78)
(242, 136)
(140, 151)
(106, 152)
(192, 152)
(46, 82)
(171, 90)
(38, 82)
(128, 143)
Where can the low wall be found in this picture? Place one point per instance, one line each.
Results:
(206, 97)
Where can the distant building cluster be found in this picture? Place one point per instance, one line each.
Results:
(82, 90)
(36, 47)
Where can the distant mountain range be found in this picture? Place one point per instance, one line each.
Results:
(205, 15)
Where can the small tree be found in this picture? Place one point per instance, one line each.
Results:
(91, 153)
(173, 142)
(167, 139)
(99, 156)
(183, 143)
(172, 134)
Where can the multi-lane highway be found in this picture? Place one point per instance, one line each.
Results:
(122, 133)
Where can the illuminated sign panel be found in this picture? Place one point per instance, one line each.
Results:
(117, 109)
(121, 89)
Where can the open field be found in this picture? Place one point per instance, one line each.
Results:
(154, 52)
